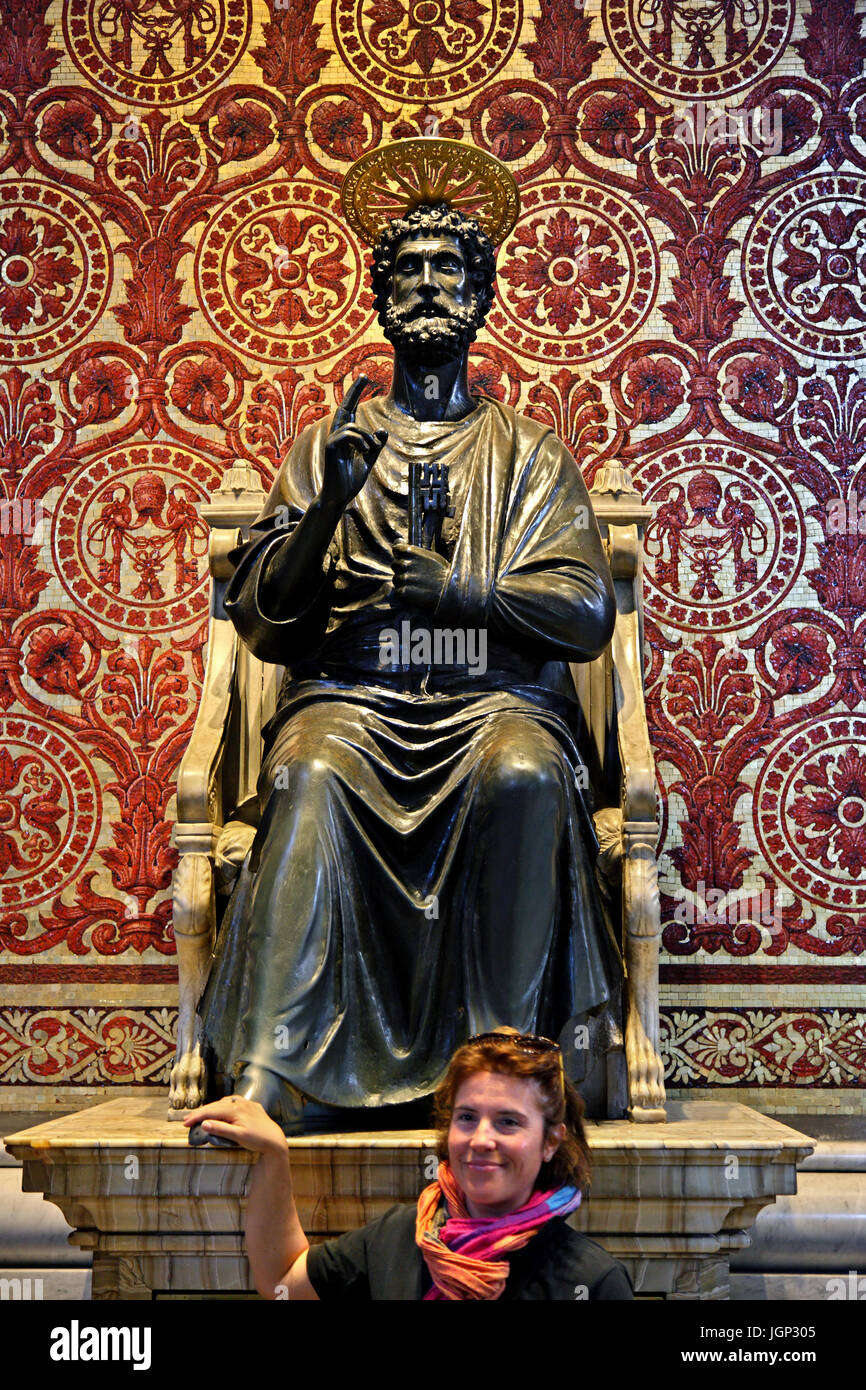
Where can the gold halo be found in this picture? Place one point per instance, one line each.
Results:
(390, 181)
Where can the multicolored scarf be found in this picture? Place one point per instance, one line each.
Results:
(466, 1256)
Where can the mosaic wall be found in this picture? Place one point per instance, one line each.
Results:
(686, 289)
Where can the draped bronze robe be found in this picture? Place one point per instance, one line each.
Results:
(423, 868)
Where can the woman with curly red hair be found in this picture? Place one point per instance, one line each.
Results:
(513, 1165)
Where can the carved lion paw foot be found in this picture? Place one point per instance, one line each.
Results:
(645, 1071)
(188, 1080)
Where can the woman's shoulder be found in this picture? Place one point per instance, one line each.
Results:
(373, 1262)
(394, 1222)
(597, 1273)
(561, 1263)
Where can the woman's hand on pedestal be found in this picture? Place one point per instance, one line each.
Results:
(245, 1122)
(276, 1243)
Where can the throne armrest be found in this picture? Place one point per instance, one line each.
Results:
(614, 706)
(611, 688)
(220, 767)
(199, 798)
(217, 776)
(636, 759)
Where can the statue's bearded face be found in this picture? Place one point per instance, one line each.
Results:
(431, 315)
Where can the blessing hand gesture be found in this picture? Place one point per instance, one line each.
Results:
(350, 451)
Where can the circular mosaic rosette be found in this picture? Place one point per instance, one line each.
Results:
(55, 271)
(578, 275)
(279, 276)
(156, 55)
(727, 540)
(804, 266)
(425, 50)
(810, 811)
(129, 545)
(51, 811)
(695, 50)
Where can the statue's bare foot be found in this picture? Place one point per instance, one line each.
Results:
(645, 1070)
(188, 1080)
(282, 1102)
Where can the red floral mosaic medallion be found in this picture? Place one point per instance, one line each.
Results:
(129, 543)
(578, 275)
(281, 278)
(810, 811)
(690, 49)
(55, 271)
(727, 539)
(50, 811)
(156, 54)
(422, 50)
(804, 267)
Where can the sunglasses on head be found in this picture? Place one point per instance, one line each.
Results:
(527, 1042)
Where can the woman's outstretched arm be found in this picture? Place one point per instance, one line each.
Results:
(276, 1244)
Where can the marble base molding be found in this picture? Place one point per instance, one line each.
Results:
(671, 1201)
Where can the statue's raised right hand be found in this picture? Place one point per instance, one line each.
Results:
(350, 451)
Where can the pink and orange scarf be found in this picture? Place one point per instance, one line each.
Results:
(467, 1257)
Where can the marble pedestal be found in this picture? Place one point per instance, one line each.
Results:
(671, 1201)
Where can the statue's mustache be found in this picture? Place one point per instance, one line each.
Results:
(432, 329)
(456, 314)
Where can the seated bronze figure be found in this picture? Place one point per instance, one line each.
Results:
(429, 572)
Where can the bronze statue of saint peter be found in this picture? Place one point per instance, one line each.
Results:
(423, 869)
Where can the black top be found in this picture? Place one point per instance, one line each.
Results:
(381, 1262)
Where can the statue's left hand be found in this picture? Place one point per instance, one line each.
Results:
(419, 575)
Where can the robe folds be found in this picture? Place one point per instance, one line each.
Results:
(424, 863)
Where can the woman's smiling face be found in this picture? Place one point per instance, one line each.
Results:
(497, 1141)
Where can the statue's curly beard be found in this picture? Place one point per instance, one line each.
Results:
(431, 340)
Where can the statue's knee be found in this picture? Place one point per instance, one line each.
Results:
(308, 776)
(530, 772)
